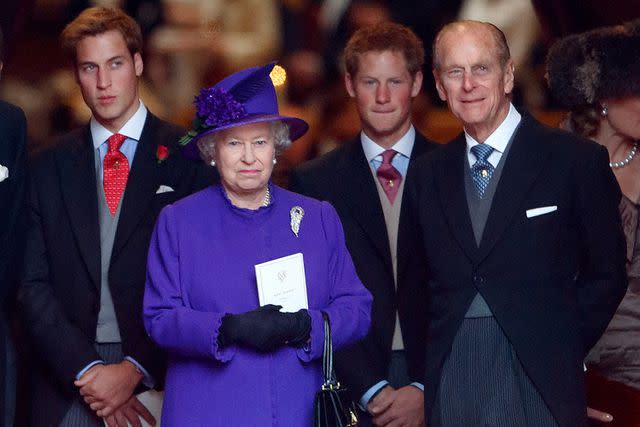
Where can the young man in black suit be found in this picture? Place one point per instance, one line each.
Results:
(364, 180)
(94, 199)
(13, 172)
(523, 245)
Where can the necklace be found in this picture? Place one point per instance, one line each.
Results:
(267, 198)
(624, 162)
(266, 201)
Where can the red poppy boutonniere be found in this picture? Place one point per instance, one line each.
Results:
(162, 153)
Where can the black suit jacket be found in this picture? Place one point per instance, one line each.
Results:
(12, 191)
(553, 281)
(343, 177)
(60, 291)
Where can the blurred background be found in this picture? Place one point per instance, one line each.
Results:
(190, 44)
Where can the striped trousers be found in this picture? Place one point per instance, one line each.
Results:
(483, 383)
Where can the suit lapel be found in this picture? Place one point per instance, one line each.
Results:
(405, 230)
(78, 183)
(449, 179)
(527, 156)
(140, 189)
(361, 196)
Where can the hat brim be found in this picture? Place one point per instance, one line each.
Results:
(297, 128)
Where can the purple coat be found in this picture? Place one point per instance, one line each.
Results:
(201, 266)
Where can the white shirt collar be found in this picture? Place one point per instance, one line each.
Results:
(131, 129)
(404, 145)
(500, 137)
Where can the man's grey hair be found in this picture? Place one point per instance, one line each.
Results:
(499, 39)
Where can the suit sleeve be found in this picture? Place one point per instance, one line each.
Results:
(413, 298)
(601, 279)
(12, 191)
(61, 345)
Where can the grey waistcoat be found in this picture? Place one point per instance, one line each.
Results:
(392, 221)
(107, 330)
(479, 212)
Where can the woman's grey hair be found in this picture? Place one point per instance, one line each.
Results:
(279, 132)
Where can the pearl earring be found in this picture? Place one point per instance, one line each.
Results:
(274, 161)
(212, 163)
(604, 111)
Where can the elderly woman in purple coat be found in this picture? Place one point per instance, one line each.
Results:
(233, 361)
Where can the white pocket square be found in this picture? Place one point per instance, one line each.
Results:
(164, 189)
(4, 173)
(540, 211)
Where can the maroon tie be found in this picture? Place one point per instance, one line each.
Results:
(389, 176)
(115, 172)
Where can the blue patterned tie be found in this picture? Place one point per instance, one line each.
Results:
(482, 170)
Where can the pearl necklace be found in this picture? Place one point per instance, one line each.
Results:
(624, 162)
(267, 198)
(266, 201)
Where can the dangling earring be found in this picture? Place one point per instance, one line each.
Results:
(212, 163)
(274, 161)
(604, 111)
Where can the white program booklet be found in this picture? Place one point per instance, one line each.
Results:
(282, 282)
(152, 400)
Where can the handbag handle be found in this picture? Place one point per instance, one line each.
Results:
(329, 374)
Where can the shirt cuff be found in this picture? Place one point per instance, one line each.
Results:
(369, 394)
(89, 366)
(418, 385)
(148, 380)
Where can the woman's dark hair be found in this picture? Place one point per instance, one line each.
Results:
(584, 121)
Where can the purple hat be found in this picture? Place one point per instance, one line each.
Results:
(242, 98)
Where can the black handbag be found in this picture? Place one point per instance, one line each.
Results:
(332, 406)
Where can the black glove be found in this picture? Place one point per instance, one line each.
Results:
(298, 327)
(265, 328)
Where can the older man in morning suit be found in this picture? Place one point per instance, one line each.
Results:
(523, 245)
(364, 180)
(94, 199)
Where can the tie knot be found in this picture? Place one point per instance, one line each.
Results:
(481, 151)
(387, 156)
(115, 141)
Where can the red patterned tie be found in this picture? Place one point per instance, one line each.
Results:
(116, 172)
(389, 176)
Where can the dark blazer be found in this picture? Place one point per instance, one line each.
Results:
(343, 177)
(13, 134)
(60, 291)
(552, 281)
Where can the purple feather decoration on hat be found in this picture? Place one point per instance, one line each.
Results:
(217, 107)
